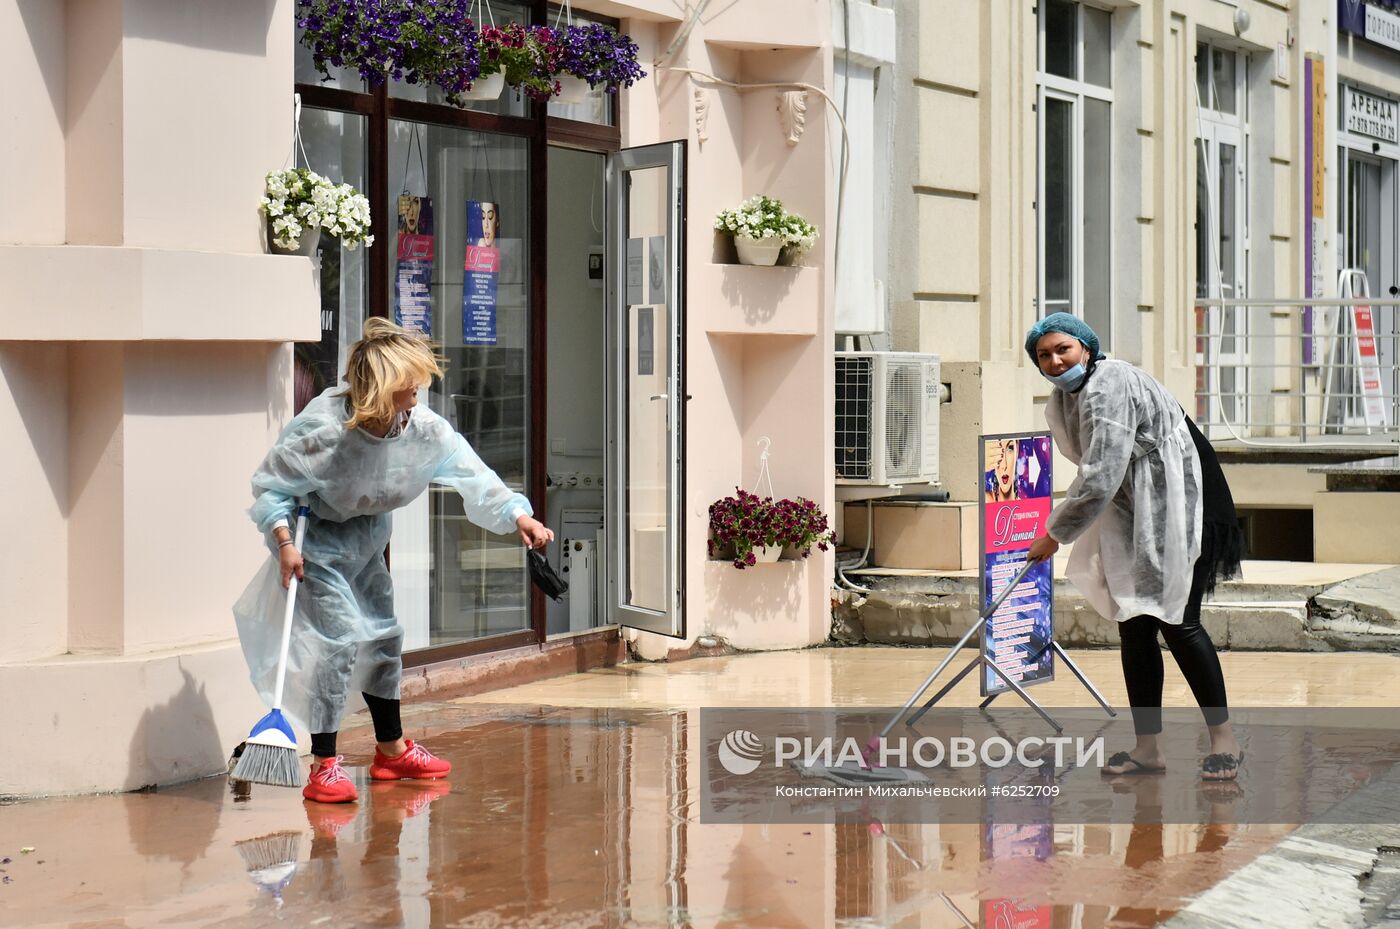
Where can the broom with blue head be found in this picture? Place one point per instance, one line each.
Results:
(270, 754)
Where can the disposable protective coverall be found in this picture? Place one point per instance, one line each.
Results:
(1134, 511)
(344, 634)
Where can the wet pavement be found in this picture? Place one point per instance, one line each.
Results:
(574, 802)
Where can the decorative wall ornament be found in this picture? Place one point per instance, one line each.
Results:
(792, 113)
(702, 114)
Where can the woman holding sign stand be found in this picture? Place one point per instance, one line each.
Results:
(1154, 528)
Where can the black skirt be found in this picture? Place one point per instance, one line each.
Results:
(1222, 541)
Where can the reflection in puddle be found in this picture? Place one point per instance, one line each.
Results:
(578, 817)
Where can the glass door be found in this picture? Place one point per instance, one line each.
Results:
(1221, 267)
(645, 404)
(460, 206)
(1367, 216)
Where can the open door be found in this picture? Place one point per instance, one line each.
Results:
(646, 430)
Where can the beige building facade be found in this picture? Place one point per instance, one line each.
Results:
(626, 373)
(1131, 162)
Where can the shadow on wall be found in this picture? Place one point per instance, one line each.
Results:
(749, 598)
(29, 372)
(281, 387)
(177, 740)
(759, 304)
(241, 28)
(39, 18)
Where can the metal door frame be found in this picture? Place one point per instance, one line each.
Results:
(669, 155)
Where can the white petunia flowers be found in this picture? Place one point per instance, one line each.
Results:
(298, 200)
(765, 218)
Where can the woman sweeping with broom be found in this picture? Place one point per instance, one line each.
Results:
(352, 457)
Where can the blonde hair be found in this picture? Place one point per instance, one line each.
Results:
(389, 358)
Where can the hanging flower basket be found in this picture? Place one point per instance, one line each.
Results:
(767, 554)
(524, 55)
(300, 204)
(417, 43)
(803, 525)
(750, 530)
(741, 526)
(307, 241)
(597, 56)
(763, 230)
(486, 87)
(761, 252)
(439, 44)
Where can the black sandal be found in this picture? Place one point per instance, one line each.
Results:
(1121, 758)
(1221, 762)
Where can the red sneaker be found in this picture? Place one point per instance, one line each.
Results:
(416, 762)
(328, 783)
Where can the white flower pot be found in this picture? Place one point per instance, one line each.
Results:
(767, 553)
(306, 244)
(762, 252)
(572, 89)
(484, 88)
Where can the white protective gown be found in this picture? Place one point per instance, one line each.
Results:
(1134, 511)
(344, 634)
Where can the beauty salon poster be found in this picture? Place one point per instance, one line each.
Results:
(1016, 502)
(413, 298)
(481, 273)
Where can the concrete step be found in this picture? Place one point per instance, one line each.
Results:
(1363, 614)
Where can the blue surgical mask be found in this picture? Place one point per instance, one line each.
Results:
(1070, 380)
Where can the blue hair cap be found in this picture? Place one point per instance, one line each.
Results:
(1070, 325)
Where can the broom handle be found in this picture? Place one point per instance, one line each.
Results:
(287, 614)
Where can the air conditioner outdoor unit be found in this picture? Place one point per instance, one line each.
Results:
(887, 417)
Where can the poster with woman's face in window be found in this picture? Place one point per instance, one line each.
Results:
(484, 231)
(485, 223)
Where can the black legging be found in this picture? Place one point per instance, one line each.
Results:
(387, 726)
(1194, 653)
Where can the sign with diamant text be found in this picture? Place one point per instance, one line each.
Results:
(1016, 501)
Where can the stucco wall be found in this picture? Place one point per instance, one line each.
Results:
(144, 369)
(758, 355)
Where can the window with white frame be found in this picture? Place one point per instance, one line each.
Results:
(1222, 242)
(1075, 101)
(1222, 228)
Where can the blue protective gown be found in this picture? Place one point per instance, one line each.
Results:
(344, 633)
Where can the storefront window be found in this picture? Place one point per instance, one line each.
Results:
(460, 271)
(465, 195)
(335, 147)
(1076, 195)
(596, 108)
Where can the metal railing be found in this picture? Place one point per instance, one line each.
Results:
(1306, 372)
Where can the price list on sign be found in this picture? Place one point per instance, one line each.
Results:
(1016, 500)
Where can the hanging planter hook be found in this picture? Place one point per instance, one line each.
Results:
(764, 476)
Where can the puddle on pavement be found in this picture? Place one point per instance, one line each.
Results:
(573, 817)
